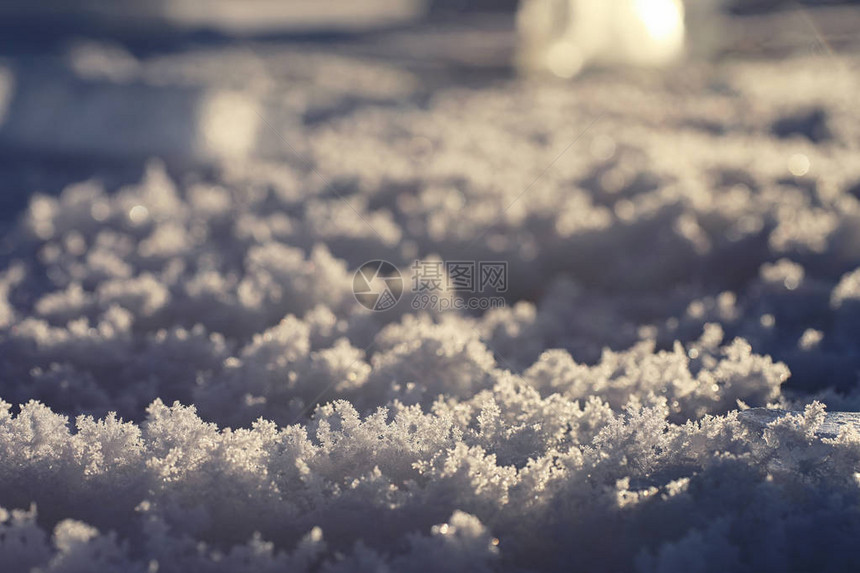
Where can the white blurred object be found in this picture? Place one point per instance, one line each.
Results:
(228, 124)
(563, 36)
(59, 113)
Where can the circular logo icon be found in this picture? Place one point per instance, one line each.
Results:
(377, 285)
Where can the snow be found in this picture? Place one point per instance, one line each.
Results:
(188, 383)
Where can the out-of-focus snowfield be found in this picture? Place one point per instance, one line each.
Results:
(189, 384)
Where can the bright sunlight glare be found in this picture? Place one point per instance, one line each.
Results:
(664, 19)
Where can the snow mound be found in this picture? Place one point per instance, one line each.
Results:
(190, 385)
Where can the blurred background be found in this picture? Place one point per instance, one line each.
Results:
(93, 88)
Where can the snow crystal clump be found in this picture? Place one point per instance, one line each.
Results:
(190, 385)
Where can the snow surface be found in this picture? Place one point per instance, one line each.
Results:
(200, 391)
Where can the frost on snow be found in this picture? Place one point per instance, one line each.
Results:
(189, 384)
